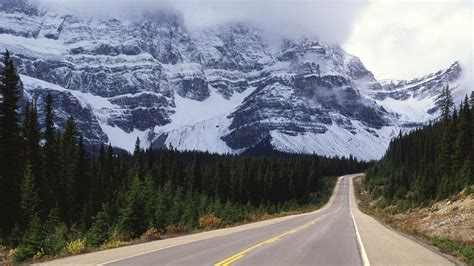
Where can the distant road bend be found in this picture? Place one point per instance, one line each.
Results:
(338, 234)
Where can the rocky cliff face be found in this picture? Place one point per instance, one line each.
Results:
(220, 89)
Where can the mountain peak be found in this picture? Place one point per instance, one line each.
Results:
(221, 89)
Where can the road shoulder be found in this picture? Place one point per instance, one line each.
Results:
(386, 246)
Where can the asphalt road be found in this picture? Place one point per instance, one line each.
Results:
(325, 238)
(338, 234)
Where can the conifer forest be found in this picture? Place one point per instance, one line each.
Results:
(57, 194)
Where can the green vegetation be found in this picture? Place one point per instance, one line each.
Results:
(431, 163)
(58, 197)
(463, 251)
(458, 249)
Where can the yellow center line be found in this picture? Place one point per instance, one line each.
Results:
(234, 259)
(241, 254)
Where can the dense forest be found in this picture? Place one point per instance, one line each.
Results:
(57, 194)
(433, 162)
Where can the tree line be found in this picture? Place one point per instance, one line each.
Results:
(54, 189)
(430, 163)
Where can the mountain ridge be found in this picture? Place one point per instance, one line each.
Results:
(220, 89)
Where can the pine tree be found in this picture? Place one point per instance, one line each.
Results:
(54, 233)
(190, 211)
(194, 175)
(99, 230)
(132, 216)
(32, 240)
(10, 142)
(138, 158)
(445, 144)
(68, 160)
(446, 103)
(149, 195)
(80, 182)
(462, 142)
(50, 159)
(32, 145)
(29, 200)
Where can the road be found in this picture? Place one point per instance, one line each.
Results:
(338, 234)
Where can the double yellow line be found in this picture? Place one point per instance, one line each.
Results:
(241, 254)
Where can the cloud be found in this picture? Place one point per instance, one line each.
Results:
(406, 39)
(394, 38)
(106, 8)
(330, 21)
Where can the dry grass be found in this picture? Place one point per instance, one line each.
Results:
(447, 224)
(209, 221)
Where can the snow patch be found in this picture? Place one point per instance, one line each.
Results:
(121, 139)
(190, 112)
(199, 125)
(411, 109)
(43, 48)
(202, 136)
(337, 141)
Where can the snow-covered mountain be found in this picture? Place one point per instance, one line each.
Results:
(221, 89)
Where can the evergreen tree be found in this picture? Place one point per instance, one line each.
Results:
(435, 161)
(190, 211)
(463, 137)
(10, 142)
(194, 175)
(98, 232)
(55, 231)
(138, 159)
(50, 186)
(132, 216)
(67, 182)
(446, 103)
(80, 180)
(32, 240)
(32, 139)
(29, 200)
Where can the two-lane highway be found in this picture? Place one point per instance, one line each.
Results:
(338, 234)
(323, 237)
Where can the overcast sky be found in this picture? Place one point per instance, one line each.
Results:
(393, 38)
(406, 39)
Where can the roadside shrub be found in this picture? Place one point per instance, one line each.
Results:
(468, 190)
(179, 228)
(151, 234)
(38, 255)
(77, 246)
(115, 239)
(23, 253)
(266, 216)
(209, 221)
(117, 235)
(108, 244)
(3, 254)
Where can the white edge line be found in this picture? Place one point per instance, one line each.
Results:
(144, 253)
(155, 250)
(363, 254)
